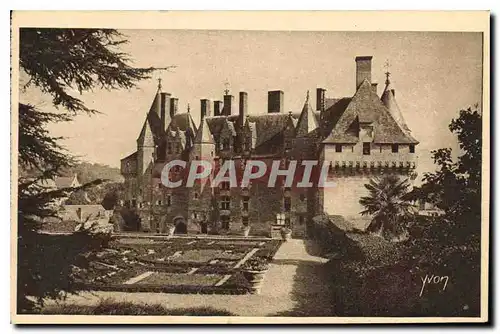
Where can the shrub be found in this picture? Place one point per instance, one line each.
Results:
(112, 307)
(332, 239)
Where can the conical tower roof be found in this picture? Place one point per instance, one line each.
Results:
(389, 100)
(307, 121)
(203, 135)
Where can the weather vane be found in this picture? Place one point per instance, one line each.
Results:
(226, 84)
(161, 69)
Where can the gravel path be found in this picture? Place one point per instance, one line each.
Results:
(293, 286)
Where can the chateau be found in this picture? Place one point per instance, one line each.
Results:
(359, 137)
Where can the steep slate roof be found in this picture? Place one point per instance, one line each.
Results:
(152, 132)
(146, 137)
(203, 135)
(266, 126)
(366, 107)
(183, 121)
(216, 123)
(330, 102)
(389, 101)
(308, 120)
(182, 126)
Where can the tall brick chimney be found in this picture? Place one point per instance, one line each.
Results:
(243, 110)
(320, 99)
(228, 105)
(165, 107)
(275, 101)
(174, 103)
(205, 108)
(217, 108)
(363, 69)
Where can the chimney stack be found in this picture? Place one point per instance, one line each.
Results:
(205, 108)
(228, 105)
(275, 101)
(217, 108)
(174, 102)
(243, 110)
(165, 105)
(320, 99)
(374, 87)
(363, 69)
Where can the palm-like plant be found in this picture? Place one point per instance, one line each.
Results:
(387, 204)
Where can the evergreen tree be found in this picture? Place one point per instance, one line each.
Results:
(57, 61)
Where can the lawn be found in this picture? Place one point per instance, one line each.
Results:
(177, 265)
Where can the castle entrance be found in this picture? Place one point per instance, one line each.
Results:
(180, 225)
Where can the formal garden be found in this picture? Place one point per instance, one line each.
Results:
(180, 265)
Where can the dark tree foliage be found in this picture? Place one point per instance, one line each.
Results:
(451, 244)
(60, 59)
(57, 61)
(456, 186)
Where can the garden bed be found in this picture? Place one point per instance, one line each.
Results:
(176, 265)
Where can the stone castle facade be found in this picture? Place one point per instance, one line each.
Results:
(359, 137)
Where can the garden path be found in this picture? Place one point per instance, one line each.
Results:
(293, 286)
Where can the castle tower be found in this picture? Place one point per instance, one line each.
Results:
(307, 121)
(389, 100)
(200, 211)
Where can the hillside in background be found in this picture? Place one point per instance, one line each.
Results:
(87, 172)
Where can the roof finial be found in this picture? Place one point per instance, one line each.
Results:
(307, 97)
(189, 108)
(226, 84)
(387, 73)
(159, 83)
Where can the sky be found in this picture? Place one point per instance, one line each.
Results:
(434, 75)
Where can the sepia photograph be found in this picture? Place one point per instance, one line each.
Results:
(217, 172)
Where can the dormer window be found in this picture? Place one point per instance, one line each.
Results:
(395, 148)
(366, 148)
